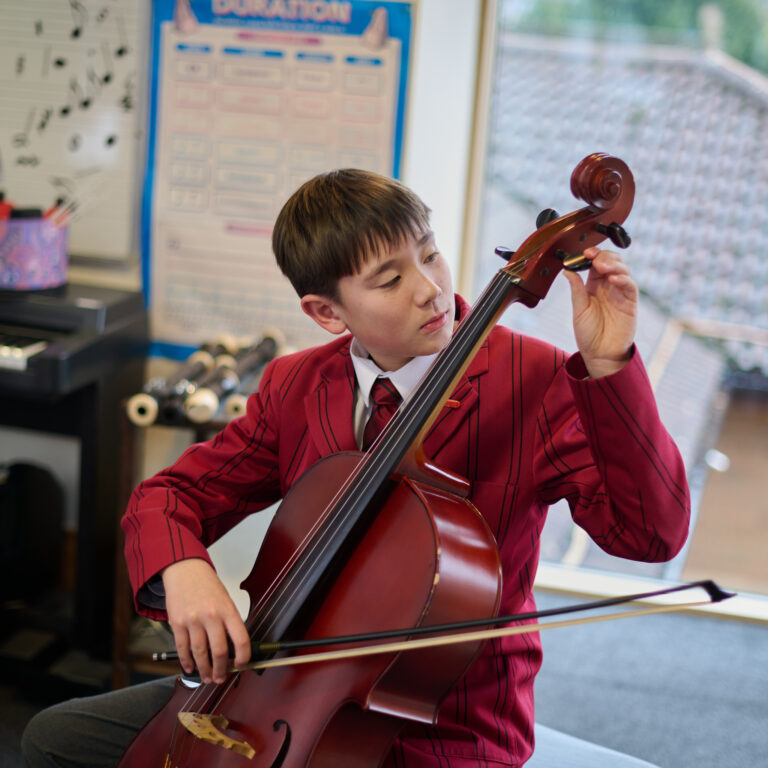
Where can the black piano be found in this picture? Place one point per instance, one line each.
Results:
(68, 358)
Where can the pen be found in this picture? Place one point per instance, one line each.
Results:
(58, 204)
(59, 214)
(5, 207)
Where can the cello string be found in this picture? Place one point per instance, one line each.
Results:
(316, 545)
(365, 474)
(180, 737)
(205, 695)
(365, 477)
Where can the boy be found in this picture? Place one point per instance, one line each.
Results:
(531, 426)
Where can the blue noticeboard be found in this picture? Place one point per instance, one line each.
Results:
(250, 98)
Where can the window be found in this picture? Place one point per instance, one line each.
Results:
(679, 90)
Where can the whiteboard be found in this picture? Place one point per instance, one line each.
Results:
(71, 93)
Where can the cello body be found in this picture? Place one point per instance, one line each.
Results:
(412, 567)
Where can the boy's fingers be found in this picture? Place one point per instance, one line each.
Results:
(219, 653)
(200, 653)
(607, 262)
(181, 643)
(626, 283)
(578, 291)
(241, 641)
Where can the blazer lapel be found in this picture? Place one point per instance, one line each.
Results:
(329, 408)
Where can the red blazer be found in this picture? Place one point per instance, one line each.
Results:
(598, 443)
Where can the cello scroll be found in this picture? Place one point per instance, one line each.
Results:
(606, 184)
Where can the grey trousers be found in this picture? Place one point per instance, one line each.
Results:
(93, 732)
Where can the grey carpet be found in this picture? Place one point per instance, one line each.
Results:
(681, 691)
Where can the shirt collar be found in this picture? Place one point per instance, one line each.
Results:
(404, 379)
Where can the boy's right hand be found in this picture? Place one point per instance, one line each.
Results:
(202, 614)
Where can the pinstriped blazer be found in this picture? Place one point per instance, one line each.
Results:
(528, 431)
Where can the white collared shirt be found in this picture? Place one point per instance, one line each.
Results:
(404, 380)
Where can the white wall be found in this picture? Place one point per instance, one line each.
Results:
(439, 115)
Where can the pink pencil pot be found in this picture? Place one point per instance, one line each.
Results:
(33, 254)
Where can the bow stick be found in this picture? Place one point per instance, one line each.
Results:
(441, 634)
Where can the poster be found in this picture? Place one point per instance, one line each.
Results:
(249, 98)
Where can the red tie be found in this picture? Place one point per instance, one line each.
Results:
(385, 399)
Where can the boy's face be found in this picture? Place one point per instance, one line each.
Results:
(399, 304)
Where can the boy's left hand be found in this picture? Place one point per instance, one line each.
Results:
(604, 312)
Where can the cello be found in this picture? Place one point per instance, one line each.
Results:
(325, 567)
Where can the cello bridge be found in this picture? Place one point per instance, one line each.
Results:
(209, 728)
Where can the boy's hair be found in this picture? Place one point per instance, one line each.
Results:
(335, 221)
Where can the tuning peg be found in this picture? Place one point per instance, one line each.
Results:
(547, 215)
(573, 262)
(504, 252)
(615, 233)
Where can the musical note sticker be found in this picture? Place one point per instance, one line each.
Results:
(21, 139)
(127, 99)
(79, 17)
(44, 119)
(122, 48)
(106, 58)
(66, 109)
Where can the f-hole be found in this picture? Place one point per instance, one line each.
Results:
(280, 759)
